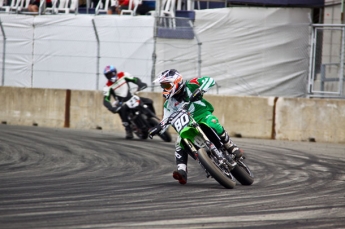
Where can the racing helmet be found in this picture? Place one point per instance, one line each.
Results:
(171, 82)
(110, 73)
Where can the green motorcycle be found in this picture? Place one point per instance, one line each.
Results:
(203, 144)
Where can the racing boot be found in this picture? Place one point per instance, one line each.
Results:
(230, 146)
(129, 132)
(181, 173)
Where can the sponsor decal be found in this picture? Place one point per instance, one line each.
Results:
(177, 155)
(194, 81)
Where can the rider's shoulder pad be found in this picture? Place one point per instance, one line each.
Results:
(106, 90)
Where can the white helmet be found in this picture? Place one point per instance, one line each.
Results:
(171, 81)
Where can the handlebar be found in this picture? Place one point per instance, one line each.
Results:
(166, 122)
(142, 88)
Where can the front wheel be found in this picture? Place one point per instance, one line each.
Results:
(139, 126)
(140, 133)
(213, 169)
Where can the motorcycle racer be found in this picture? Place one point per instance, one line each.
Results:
(176, 91)
(117, 87)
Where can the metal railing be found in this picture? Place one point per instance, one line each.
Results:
(326, 70)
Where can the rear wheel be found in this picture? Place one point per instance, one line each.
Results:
(165, 136)
(214, 171)
(242, 176)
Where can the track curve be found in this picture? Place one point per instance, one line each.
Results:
(64, 178)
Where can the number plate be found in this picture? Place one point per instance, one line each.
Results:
(133, 102)
(180, 121)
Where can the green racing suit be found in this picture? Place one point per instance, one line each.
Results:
(201, 110)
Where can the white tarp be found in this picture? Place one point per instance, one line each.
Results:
(61, 51)
(248, 51)
(18, 50)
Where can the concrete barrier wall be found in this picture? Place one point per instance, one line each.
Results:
(301, 119)
(249, 117)
(30, 106)
(298, 119)
(87, 112)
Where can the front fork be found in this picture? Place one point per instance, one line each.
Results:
(229, 164)
(194, 154)
(226, 160)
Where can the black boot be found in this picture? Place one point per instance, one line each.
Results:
(181, 162)
(230, 146)
(180, 175)
(181, 158)
(129, 133)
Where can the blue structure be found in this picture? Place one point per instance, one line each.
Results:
(293, 3)
(183, 30)
(204, 4)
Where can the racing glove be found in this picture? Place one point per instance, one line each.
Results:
(154, 130)
(197, 95)
(115, 109)
(142, 86)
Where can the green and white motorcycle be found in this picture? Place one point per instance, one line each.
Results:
(203, 144)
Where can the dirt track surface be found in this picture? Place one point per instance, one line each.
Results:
(70, 179)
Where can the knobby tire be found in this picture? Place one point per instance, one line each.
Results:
(242, 175)
(214, 171)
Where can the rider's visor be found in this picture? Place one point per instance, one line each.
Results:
(110, 75)
(167, 86)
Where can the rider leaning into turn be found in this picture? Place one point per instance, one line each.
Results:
(176, 91)
(118, 88)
